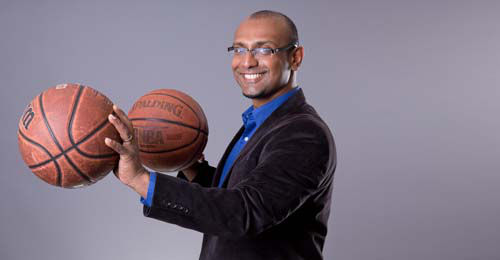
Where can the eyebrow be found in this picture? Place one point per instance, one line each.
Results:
(258, 44)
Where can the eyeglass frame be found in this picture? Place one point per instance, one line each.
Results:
(252, 51)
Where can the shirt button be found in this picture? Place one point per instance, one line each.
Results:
(181, 208)
(168, 204)
(174, 206)
(186, 210)
(246, 139)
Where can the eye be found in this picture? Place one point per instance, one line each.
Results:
(263, 51)
(239, 50)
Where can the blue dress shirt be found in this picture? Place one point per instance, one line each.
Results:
(252, 119)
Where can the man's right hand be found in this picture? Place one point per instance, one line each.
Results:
(129, 170)
(192, 170)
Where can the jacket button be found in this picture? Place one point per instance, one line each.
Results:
(186, 211)
(174, 206)
(181, 207)
(168, 204)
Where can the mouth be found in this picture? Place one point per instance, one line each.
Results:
(252, 77)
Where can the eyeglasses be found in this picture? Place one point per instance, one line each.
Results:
(260, 52)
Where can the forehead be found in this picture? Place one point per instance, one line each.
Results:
(253, 31)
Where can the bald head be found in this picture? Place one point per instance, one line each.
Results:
(293, 36)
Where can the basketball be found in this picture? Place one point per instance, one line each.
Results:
(171, 129)
(61, 136)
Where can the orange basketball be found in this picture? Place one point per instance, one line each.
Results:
(171, 129)
(61, 136)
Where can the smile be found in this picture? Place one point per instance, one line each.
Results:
(253, 76)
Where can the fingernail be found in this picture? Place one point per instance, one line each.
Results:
(107, 140)
(112, 117)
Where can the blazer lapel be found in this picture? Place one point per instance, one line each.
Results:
(295, 101)
(220, 166)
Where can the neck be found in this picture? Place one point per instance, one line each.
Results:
(257, 102)
(292, 83)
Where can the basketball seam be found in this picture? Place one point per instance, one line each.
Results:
(52, 158)
(60, 154)
(194, 154)
(168, 121)
(85, 177)
(70, 132)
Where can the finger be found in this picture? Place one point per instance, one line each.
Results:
(202, 158)
(117, 147)
(122, 129)
(123, 117)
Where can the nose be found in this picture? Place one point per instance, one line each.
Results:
(249, 60)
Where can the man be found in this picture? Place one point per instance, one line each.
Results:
(270, 195)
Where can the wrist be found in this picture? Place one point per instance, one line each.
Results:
(140, 182)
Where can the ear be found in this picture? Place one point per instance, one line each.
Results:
(296, 58)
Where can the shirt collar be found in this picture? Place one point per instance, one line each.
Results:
(260, 114)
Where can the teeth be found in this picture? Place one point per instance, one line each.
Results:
(252, 76)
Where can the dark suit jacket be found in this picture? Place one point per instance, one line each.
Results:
(276, 199)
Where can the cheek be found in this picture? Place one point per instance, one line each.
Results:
(234, 64)
(276, 70)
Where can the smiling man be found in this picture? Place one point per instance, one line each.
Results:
(270, 195)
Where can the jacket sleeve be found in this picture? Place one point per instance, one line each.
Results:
(293, 165)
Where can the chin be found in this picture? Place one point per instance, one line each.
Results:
(257, 95)
(251, 96)
(251, 92)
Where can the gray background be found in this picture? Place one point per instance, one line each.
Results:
(409, 88)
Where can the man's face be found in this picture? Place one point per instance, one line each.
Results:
(261, 77)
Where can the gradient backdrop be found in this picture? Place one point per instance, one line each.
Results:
(409, 88)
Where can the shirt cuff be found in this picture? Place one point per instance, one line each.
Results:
(151, 189)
